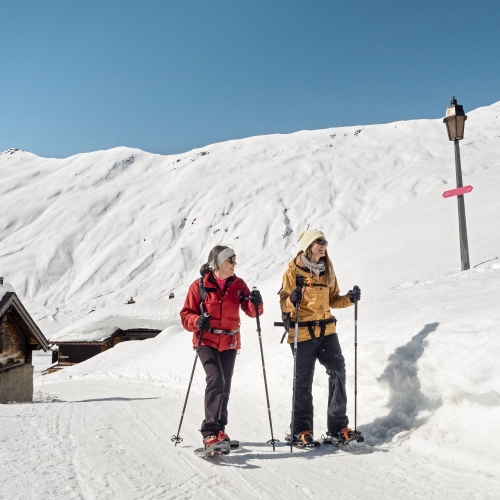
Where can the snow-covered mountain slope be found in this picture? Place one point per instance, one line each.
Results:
(428, 349)
(428, 335)
(97, 228)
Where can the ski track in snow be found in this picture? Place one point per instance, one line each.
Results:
(107, 440)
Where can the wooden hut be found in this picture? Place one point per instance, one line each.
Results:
(102, 329)
(77, 350)
(19, 337)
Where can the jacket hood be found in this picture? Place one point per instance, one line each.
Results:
(292, 263)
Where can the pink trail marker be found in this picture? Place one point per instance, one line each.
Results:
(457, 191)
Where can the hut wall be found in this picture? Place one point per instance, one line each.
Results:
(12, 345)
(16, 383)
(77, 353)
(140, 334)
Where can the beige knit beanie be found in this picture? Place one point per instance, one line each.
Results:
(308, 237)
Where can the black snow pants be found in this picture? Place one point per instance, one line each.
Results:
(328, 352)
(219, 372)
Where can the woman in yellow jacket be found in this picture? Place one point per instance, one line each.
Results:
(317, 338)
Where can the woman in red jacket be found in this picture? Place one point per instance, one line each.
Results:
(225, 294)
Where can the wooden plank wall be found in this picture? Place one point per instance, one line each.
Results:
(77, 353)
(12, 344)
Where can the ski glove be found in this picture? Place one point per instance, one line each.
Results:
(255, 298)
(354, 294)
(296, 296)
(203, 323)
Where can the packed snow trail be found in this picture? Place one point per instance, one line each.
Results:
(111, 439)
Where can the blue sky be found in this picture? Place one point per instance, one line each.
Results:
(169, 76)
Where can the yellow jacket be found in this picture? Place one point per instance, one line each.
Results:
(316, 300)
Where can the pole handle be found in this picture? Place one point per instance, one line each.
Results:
(202, 332)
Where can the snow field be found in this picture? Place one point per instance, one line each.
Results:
(427, 350)
(428, 398)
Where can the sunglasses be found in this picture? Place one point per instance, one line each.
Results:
(232, 259)
(322, 242)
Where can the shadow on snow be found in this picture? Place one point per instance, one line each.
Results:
(406, 400)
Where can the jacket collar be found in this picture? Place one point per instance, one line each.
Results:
(210, 280)
(305, 270)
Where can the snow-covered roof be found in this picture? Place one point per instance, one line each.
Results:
(8, 299)
(99, 325)
(5, 288)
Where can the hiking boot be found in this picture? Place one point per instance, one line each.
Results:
(305, 437)
(223, 436)
(346, 434)
(213, 443)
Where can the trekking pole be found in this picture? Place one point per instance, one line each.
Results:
(176, 438)
(355, 362)
(300, 282)
(272, 440)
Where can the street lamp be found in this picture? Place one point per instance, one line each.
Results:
(455, 124)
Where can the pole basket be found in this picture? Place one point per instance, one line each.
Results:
(273, 441)
(176, 440)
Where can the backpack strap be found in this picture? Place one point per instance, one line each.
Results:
(203, 294)
(310, 328)
(311, 325)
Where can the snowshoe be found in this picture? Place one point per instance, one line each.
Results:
(304, 439)
(203, 453)
(212, 447)
(345, 437)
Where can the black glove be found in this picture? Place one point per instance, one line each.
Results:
(255, 298)
(296, 296)
(203, 323)
(354, 294)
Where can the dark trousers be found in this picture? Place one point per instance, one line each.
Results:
(327, 351)
(219, 372)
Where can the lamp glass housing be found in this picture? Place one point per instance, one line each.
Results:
(455, 121)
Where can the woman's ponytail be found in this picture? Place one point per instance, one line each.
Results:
(204, 269)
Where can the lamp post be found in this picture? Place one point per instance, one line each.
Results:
(455, 124)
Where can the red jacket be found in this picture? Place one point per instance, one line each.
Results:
(224, 310)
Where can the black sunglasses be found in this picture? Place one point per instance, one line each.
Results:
(321, 242)
(232, 259)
